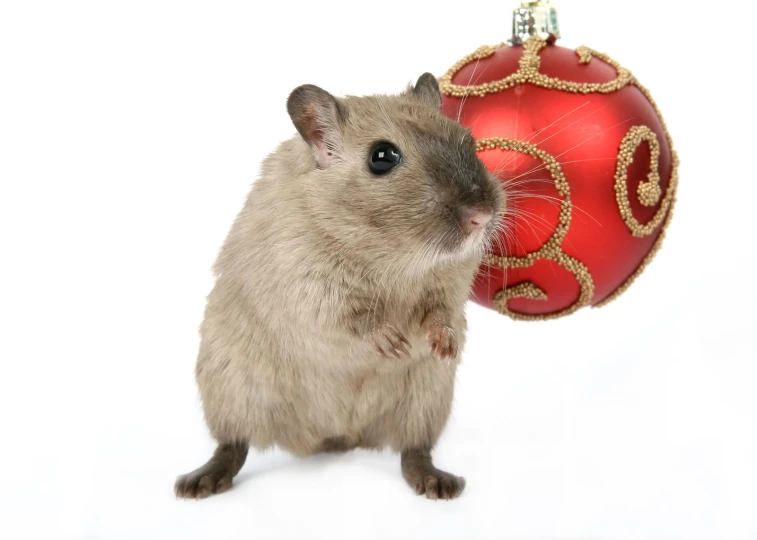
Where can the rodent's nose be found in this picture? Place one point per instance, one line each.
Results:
(472, 219)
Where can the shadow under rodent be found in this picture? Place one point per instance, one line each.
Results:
(337, 316)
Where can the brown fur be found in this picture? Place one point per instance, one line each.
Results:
(338, 310)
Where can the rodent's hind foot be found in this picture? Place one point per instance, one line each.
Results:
(202, 483)
(420, 473)
(440, 485)
(215, 476)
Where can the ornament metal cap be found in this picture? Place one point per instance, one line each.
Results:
(535, 18)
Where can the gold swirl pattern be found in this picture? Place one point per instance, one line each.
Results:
(528, 72)
(550, 250)
(649, 192)
(525, 289)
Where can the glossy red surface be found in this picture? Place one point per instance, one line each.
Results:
(583, 132)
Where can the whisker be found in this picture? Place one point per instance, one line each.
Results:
(574, 123)
(595, 136)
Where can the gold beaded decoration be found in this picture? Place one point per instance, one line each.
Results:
(525, 290)
(528, 72)
(550, 250)
(649, 192)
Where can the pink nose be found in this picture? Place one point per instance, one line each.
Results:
(472, 219)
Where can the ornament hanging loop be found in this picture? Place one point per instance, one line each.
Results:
(535, 18)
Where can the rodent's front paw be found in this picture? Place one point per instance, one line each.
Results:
(389, 341)
(443, 342)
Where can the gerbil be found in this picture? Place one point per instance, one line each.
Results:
(338, 311)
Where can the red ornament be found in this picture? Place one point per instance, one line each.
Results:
(589, 166)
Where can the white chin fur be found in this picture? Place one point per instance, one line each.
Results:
(472, 245)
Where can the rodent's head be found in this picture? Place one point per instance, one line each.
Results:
(392, 175)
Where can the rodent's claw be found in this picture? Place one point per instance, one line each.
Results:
(443, 342)
(390, 341)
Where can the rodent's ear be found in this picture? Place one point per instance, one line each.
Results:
(319, 117)
(427, 88)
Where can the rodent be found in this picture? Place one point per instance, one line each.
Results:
(337, 315)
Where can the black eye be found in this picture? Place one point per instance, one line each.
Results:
(384, 157)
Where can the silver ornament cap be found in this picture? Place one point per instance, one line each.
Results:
(535, 18)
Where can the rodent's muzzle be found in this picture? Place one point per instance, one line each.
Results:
(472, 219)
(477, 204)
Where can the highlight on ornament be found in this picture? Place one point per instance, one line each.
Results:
(585, 157)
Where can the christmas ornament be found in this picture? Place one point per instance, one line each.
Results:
(585, 157)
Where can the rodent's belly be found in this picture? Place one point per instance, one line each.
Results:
(359, 402)
(361, 359)
(341, 387)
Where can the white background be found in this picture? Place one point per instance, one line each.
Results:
(129, 135)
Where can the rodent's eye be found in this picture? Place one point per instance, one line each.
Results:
(384, 157)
